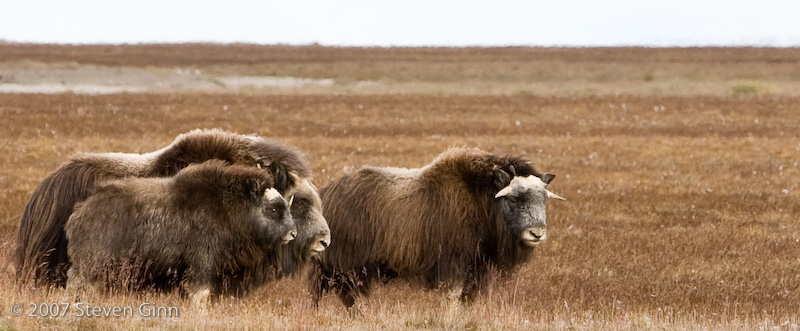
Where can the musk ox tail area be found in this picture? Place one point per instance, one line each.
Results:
(41, 251)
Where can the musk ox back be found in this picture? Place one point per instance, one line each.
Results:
(42, 245)
(203, 229)
(447, 222)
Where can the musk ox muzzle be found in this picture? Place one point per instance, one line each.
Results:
(319, 244)
(534, 235)
(289, 236)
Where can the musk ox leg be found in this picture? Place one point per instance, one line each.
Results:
(475, 282)
(200, 287)
(319, 281)
(347, 294)
(75, 280)
(198, 293)
(77, 285)
(353, 284)
(348, 285)
(200, 297)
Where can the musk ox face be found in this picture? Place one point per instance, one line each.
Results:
(313, 234)
(522, 205)
(276, 223)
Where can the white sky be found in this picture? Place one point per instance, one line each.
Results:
(407, 22)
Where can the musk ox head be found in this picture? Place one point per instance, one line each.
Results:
(292, 179)
(276, 219)
(522, 204)
(313, 234)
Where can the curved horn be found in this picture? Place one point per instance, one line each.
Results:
(551, 195)
(505, 191)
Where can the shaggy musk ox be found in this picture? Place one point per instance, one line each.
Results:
(42, 245)
(440, 225)
(210, 228)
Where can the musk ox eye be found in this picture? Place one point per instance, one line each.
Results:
(300, 205)
(271, 212)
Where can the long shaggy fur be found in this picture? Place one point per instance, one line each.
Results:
(41, 250)
(210, 227)
(435, 225)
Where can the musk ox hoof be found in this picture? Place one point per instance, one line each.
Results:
(354, 312)
(201, 298)
(77, 286)
(453, 294)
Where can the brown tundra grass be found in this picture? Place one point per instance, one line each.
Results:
(683, 210)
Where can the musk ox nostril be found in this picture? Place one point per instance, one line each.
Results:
(539, 234)
(533, 236)
(324, 243)
(289, 236)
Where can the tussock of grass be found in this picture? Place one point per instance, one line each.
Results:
(746, 88)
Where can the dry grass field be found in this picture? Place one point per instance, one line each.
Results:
(681, 168)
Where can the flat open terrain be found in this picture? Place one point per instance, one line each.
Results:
(681, 168)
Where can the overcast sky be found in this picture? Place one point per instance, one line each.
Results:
(407, 22)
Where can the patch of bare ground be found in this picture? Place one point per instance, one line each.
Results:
(256, 69)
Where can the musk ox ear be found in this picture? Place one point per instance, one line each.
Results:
(280, 175)
(254, 188)
(547, 177)
(501, 178)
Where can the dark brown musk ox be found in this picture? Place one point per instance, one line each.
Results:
(444, 226)
(203, 229)
(41, 252)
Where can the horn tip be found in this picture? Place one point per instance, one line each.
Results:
(555, 196)
(504, 192)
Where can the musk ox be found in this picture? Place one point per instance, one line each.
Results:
(205, 228)
(42, 246)
(443, 224)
